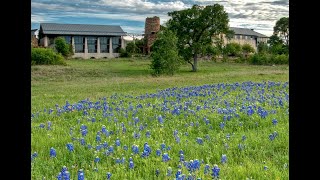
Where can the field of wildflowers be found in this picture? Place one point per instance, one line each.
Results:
(221, 130)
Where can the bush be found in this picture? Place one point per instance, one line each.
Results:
(124, 53)
(232, 49)
(247, 49)
(259, 59)
(268, 59)
(165, 58)
(46, 56)
(280, 59)
(62, 46)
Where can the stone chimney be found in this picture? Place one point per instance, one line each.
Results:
(152, 26)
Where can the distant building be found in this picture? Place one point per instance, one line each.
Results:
(88, 41)
(34, 37)
(34, 33)
(246, 36)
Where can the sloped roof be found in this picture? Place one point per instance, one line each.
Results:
(246, 31)
(81, 29)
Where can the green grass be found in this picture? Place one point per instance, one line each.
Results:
(117, 78)
(98, 78)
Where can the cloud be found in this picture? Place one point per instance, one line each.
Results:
(131, 14)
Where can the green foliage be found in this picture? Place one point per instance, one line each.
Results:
(132, 48)
(62, 47)
(165, 58)
(268, 59)
(195, 28)
(263, 48)
(247, 49)
(232, 49)
(124, 53)
(46, 56)
(282, 29)
(70, 50)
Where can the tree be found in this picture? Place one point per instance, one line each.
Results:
(195, 28)
(263, 48)
(165, 58)
(282, 29)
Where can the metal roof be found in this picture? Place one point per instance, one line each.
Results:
(246, 31)
(81, 29)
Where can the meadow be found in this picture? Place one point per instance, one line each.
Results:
(101, 119)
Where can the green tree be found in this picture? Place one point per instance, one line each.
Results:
(165, 58)
(195, 28)
(282, 29)
(62, 46)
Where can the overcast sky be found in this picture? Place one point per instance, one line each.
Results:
(260, 15)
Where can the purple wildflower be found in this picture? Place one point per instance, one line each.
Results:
(165, 157)
(41, 125)
(70, 147)
(53, 152)
(206, 169)
(199, 141)
(158, 152)
(215, 171)
(109, 175)
(223, 158)
(274, 122)
(117, 142)
(97, 159)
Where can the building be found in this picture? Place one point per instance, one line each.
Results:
(152, 26)
(34, 37)
(246, 36)
(88, 41)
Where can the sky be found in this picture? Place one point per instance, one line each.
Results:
(260, 15)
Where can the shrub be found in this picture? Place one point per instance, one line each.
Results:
(124, 53)
(165, 58)
(62, 46)
(232, 49)
(259, 59)
(247, 49)
(280, 59)
(132, 48)
(46, 56)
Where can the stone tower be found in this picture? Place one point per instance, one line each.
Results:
(152, 26)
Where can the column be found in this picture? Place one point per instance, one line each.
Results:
(122, 42)
(73, 46)
(85, 45)
(110, 47)
(98, 45)
(45, 41)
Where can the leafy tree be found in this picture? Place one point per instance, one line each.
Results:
(282, 29)
(274, 39)
(246, 49)
(195, 28)
(62, 46)
(165, 58)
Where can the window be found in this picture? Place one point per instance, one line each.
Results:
(79, 44)
(116, 44)
(104, 44)
(92, 44)
(68, 39)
